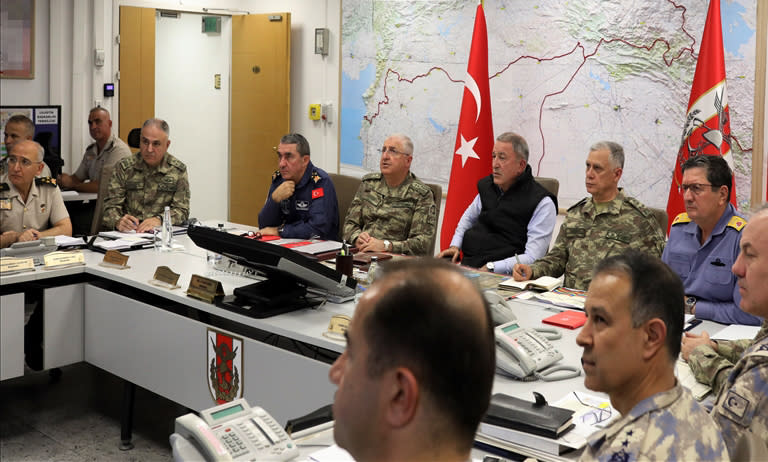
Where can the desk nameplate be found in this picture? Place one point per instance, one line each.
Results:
(10, 265)
(204, 289)
(115, 258)
(165, 277)
(63, 258)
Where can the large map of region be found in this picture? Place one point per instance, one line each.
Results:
(564, 74)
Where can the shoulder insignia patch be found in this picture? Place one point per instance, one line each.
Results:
(578, 204)
(45, 181)
(315, 176)
(682, 218)
(4, 187)
(371, 176)
(276, 175)
(737, 223)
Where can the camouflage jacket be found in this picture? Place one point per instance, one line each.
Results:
(713, 367)
(586, 237)
(405, 215)
(742, 404)
(139, 190)
(669, 425)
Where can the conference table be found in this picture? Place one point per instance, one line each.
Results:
(159, 338)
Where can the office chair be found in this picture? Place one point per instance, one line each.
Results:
(134, 138)
(98, 211)
(661, 217)
(346, 188)
(437, 190)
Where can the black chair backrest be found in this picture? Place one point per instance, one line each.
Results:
(134, 138)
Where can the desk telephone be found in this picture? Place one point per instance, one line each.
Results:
(522, 352)
(236, 431)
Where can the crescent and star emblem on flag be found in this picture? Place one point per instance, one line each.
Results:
(467, 148)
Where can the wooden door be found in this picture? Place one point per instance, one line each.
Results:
(261, 108)
(137, 68)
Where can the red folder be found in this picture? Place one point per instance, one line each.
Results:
(568, 319)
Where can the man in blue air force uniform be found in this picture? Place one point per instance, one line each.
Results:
(302, 200)
(704, 242)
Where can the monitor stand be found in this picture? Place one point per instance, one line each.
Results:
(267, 298)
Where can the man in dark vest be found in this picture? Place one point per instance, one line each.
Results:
(512, 217)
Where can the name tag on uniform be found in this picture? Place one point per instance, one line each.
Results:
(302, 205)
(5, 204)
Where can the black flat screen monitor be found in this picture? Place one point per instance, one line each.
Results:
(279, 264)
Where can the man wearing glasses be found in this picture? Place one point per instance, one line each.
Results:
(512, 217)
(30, 208)
(393, 211)
(301, 202)
(704, 242)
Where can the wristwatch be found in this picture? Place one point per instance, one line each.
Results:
(280, 230)
(491, 267)
(387, 245)
(690, 304)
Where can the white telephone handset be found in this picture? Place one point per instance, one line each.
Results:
(501, 311)
(523, 351)
(235, 431)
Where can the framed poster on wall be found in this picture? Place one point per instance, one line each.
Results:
(17, 39)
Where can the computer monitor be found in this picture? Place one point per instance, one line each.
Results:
(288, 273)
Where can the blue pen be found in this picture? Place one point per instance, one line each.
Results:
(522, 272)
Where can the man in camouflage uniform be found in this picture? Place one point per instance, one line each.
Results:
(19, 128)
(144, 183)
(631, 341)
(30, 208)
(393, 211)
(608, 223)
(742, 389)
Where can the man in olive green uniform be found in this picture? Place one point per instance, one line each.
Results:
(606, 224)
(143, 184)
(106, 151)
(30, 208)
(393, 211)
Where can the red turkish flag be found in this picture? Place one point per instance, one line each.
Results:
(474, 140)
(707, 128)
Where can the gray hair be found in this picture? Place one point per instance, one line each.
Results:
(158, 123)
(407, 142)
(104, 110)
(302, 145)
(38, 148)
(21, 119)
(617, 152)
(518, 143)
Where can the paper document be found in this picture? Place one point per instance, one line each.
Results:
(542, 283)
(130, 235)
(64, 241)
(592, 413)
(320, 247)
(70, 193)
(331, 454)
(736, 332)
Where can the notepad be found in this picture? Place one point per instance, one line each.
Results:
(569, 319)
(542, 283)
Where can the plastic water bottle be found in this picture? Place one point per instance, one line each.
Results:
(373, 268)
(167, 235)
(212, 257)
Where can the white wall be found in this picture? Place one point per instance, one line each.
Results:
(186, 61)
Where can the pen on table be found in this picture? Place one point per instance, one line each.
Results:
(522, 271)
(692, 324)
